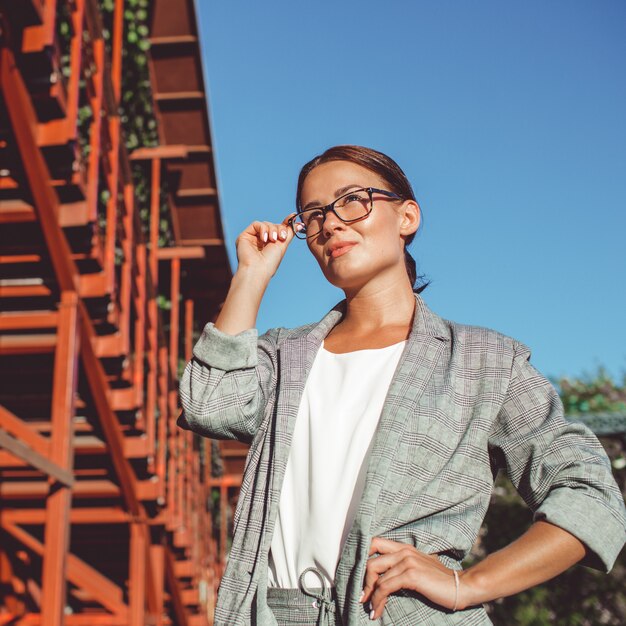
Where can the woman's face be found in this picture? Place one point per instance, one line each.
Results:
(372, 249)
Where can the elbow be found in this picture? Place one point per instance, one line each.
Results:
(183, 422)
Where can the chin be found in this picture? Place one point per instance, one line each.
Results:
(344, 280)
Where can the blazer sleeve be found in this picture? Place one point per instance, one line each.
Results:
(559, 467)
(227, 384)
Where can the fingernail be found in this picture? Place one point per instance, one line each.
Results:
(283, 234)
(264, 236)
(362, 596)
(372, 612)
(274, 235)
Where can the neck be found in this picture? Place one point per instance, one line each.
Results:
(377, 306)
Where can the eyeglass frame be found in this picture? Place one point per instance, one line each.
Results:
(331, 208)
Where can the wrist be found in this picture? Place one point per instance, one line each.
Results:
(252, 274)
(472, 587)
(241, 307)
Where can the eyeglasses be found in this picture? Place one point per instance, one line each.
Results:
(351, 207)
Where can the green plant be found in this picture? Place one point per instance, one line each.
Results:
(136, 109)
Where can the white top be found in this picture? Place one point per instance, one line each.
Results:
(338, 414)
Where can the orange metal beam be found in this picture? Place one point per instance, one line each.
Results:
(37, 37)
(57, 536)
(82, 515)
(84, 488)
(30, 457)
(12, 424)
(160, 152)
(126, 274)
(181, 252)
(96, 129)
(32, 320)
(89, 619)
(137, 584)
(174, 316)
(157, 553)
(116, 49)
(188, 329)
(78, 573)
(112, 203)
(76, 57)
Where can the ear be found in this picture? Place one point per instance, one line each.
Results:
(411, 217)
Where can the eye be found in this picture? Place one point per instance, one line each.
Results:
(311, 215)
(355, 196)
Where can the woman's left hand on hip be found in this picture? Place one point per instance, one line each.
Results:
(401, 566)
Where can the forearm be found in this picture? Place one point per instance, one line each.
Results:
(242, 303)
(541, 553)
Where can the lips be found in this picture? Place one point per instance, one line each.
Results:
(340, 248)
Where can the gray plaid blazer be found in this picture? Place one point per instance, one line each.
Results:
(464, 402)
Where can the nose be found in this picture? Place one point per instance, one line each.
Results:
(331, 223)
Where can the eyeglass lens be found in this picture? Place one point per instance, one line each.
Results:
(353, 206)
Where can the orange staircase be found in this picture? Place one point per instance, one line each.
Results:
(105, 505)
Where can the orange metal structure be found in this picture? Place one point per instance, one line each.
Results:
(106, 513)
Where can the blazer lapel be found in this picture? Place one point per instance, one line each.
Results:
(424, 348)
(295, 359)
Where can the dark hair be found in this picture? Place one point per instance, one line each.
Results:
(387, 169)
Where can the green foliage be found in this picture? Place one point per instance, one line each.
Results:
(136, 110)
(163, 302)
(136, 104)
(595, 393)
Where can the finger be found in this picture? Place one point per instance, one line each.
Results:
(270, 232)
(376, 567)
(296, 225)
(261, 231)
(390, 583)
(379, 564)
(385, 546)
(283, 232)
(287, 227)
(436, 585)
(289, 217)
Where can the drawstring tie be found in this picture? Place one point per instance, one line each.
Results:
(323, 601)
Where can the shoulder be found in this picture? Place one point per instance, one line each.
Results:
(280, 334)
(315, 331)
(480, 341)
(465, 338)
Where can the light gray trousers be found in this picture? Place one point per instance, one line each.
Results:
(315, 606)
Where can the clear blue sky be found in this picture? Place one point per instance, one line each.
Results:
(509, 119)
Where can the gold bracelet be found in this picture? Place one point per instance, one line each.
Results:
(456, 590)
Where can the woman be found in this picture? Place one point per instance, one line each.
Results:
(376, 433)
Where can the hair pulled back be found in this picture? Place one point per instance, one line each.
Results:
(388, 170)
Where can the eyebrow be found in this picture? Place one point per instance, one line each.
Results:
(338, 192)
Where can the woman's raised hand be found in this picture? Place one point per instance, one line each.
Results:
(401, 566)
(260, 249)
(262, 246)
